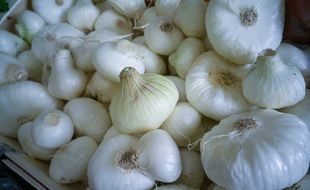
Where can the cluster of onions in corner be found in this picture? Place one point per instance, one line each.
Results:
(92, 96)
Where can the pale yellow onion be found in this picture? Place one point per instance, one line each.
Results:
(143, 102)
(162, 36)
(180, 84)
(30, 147)
(183, 58)
(89, 117)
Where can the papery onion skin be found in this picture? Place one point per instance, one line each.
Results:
(261, 149)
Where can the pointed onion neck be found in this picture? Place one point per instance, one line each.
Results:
(270, 58)
(131, 81)
(63, 59)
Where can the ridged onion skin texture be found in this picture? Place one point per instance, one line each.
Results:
(143, 102)
(272, 84)
(239, 30)
(213, 86)
(190, 17)
(261, 149)
(126, 162)
(21, 102)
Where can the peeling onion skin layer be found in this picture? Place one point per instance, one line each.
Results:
(253, 150)
(21, 102)
(239, 30)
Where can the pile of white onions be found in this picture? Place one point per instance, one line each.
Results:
(125, 95)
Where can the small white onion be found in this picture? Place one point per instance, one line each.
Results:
(183, 58)
(28, 24)
(183, 125)
(83, 15)
(52, 129)
(162, 36)
(89, 117)
(293, 56)
(52, 38)
(30, 147)
(52, 11)
(11, 44)
(70, 162)
(113, 21)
